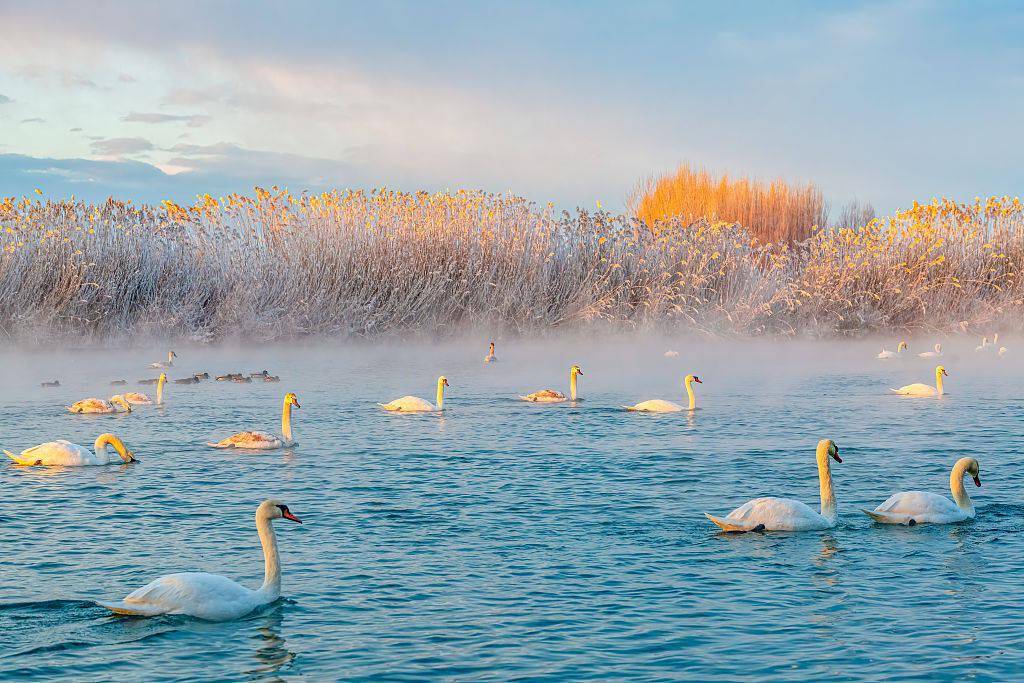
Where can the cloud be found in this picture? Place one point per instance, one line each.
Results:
(74, 130)
(127, 78)
(119, 147)
(4, 99)
(34, 119)
(191, 120)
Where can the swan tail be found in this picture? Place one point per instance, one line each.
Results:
(726, 525)
(388, 406)
(15, 458)
(632, 408)
(883, 517)
(137, 610)
(217, 444)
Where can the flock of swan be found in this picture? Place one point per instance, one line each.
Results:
(214, 597)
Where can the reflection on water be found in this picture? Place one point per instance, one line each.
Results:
(272, 654)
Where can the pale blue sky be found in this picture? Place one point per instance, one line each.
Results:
(557, 101)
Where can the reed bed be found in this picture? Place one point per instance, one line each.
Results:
(369, 264)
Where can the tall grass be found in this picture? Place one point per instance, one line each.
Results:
(773, 212)
(275, 265)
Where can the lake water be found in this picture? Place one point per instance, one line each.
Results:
(506, 540)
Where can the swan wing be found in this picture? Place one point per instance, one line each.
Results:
(920, 506)
(409, 404)
(544, 396)
(255, 440)
(917, 389)
(655, 406)
(776, 514)
(885, 354)
(137, 398)
(197, 594)
(91, 405)
(59, 452)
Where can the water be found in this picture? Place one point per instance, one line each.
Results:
(506, 540)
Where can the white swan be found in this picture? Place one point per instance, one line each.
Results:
(919, 389)
(932, 354)
(171, 355)
(264, 440)
(414, 404)
(552, 396)
(659, 406)
(671, 354)
(490, 357)
(1002, 351)
(66, 454)
(890, 354)
(984, 345)
(921, 507)
(98, 405)
(137, 399)
(211, 596)
(784, 514)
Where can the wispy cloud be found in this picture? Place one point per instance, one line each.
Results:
(34, 119)
(119, 147)
(191, 120)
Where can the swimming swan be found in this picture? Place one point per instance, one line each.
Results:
(889, 354)
(171, 355)
(552, 396)
(984, 345)
(414, 404)
(137, 399)
(66, 454)
(211, 596)
(490, 357)
(659, 406)
(920, 507)
(932, 354)
(784, 514)
(265, 440)
(98, 405)
(923, 389)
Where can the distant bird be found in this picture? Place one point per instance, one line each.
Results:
(154, 380)
(415, 404)
(54, 383)
(171, 355)
(932, 354)
(924, 389)
(490, 357)
(119, 383)
(659, 406)
(231, 376)
(671, 354)
(1002, 350)
(900, 348)
(137, 399)
(984, 345)
(241, 379)
(194, 379)
(267, 377)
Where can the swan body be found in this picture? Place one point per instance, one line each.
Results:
(920, 507)
(932, 354)
(210, 596)
(63, 453)
(552, 396)
(415, 404)
(784, 514)
(137, 399)
(171, 355)
(919, 389)
(490, 357)
(884, 354)
(660, 406)
(98, 405)
(1002, 351)
(264, 440)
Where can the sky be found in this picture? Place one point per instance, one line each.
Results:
(568, 102)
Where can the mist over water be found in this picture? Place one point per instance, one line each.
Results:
(511, 540)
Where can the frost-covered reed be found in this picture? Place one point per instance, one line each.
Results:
(276, 265)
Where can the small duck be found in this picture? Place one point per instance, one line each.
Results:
(202, 375)
(119, 383)
(187, 380)
(54, 383)
(148, 381)
(241, 379)
(265, 376)
(230, 377)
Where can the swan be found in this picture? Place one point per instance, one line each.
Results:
(920, 507)
(171, 355)
(923, 389)
(490, 357)
(67, 454)
(552, 396)
(210, 596)
(264, 440)
(784, 514)
(671, 354)
(137, 399)
(98, 405)
(984, 345)
(659, 406)
(932, 354)
(890, 354)
(414, 404)
(1002, 351)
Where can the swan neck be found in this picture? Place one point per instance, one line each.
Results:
(828, 498)
(689, 393)
(271, 588)
(440, 395)
(160, 390)
(572, 385)
(100, 447)
(956, 487)
(286, 421)
(938, 382)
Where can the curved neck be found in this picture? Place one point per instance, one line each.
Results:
(828, 498)
(956, 486)
(938, 382)
(170, 358)
(440, 395)
(286, 421)
(100, 447)
(572, 385)
(160, 390)
(271, 588)
(689, 392)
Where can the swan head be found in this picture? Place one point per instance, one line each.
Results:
(172, 355)
(693, 378)
(940, 370)
(275, 509)
(974, 469)
(103, 439)
(575, 370)
(442, 381)
(291, 399)
(830, 449)
(938, 348)
(162, 377)
(492, 347)
(1002, 350)
(902, 346)
(121, 401)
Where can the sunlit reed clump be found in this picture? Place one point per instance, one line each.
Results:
(276, 265)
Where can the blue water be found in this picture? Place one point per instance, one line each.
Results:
(511, 541)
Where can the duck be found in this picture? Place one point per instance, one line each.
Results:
(241, 379)
(119, 383)
(213, 597)
(187, 380)
(552, 396)
(785, 514)
(137, 399)
(924, 389)
(490, 357)
(414, 404)
(228, 377)
(265, 440)
(932, 354)
(171, 355)
(98, 405)
(920, 507)
(202, 375)
(54, 383)
(144, 382)
(884, 354)
(660, 406)
(265, 376)
(63, 453)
